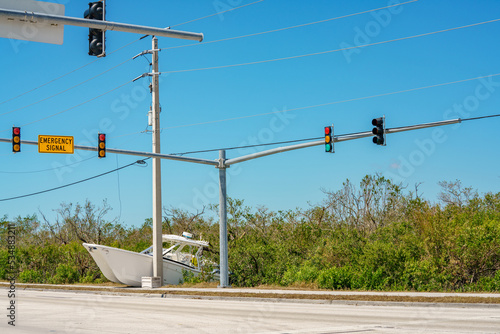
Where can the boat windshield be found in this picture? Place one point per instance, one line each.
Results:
(180, 246)
(147, 250)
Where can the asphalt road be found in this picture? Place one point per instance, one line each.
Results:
(83, 312)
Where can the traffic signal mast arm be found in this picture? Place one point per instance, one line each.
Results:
(96, 24)
(227, 163)
(395, 130)
(338, 138)
(128, 152)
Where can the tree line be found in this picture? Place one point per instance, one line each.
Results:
(375, 235)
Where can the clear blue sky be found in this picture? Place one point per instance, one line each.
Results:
(468, 152)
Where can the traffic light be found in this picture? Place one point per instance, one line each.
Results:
(16, 139)
(379, 130)
(96, 11)
(101, 145)
(329, 139)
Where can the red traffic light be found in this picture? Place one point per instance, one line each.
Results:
(16, 139)
(329, 139)
(101, 145)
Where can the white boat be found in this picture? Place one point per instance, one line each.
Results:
(126, 267)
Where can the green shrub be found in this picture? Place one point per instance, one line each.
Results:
(335, 278)
(190, 277)
(4, 263)
(373, 237)
(489, 283)
(289, 277)
(369, 278)
(306, 273)
(30, 276)
(65, 274)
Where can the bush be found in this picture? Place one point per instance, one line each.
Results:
(31, 276)
(335, 278)
(307, 273)
(490, 283)
(374, 237)
(65, 274)
(371, 279)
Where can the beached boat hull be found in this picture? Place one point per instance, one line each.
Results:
(126, 267)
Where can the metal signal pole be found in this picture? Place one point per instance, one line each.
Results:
(223, 263)
(157, 221)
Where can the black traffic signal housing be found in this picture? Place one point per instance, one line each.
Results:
(329, 139)
(96, 11)
(101, 145)
(16, 139)
(379, 130)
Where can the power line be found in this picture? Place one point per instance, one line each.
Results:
(305, 139)
(320, 105)
(218, 13)
(248, 146)
(48, 169)
(140, 162)
(329, 51)
(64, 75)
(119, 191)
(480, 117)
(287, 28)
(110, 53)
(67, 89)
(331, 103)
(76, 106)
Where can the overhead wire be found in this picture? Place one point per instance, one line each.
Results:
(64, 75)
(143, 161)
(80, 104)
(287, 28)
(360, 46)
(110, 53)
(480, 117)
(218, 13)
(301, 140)
(319, 105)
(328, 51)
(119, 190)
(75, 106)
(334, 102)
(247, 146)
(67, 89)
(73, 183)
(48, 169)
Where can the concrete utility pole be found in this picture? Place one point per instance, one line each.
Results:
(157, 221)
